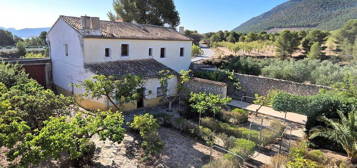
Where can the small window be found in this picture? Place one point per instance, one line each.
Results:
(150, 51)
(124, 50)
(107, 52)
(66, 49)
(182, 51)
(160, 92)
(162, 53)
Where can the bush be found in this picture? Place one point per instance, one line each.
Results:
(236, 116)
(238, 132)
(228, 141)
(191, 128)
(148, 129)
(196, 51)
(278, 161)
(164, 119)
(243, 147)
(317, 156)
(302, 163)
(222, 162)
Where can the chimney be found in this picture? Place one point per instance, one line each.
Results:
(94, 23)
(85, 21)
(181, 30)
(90, 26)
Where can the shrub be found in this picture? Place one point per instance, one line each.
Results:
(236, 116)
(238, 132)
(243, 147)
(302, 163)
(196, 51)
(317, 156)
(164, 119)
(228, 141)
(148, 129)
(279, 161)
(186, 126)
(222, 162)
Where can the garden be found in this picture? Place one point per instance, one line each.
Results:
(41, 128)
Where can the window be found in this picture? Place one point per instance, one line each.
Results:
(182, 51)
(107, 52)
(160, 92)
(150, 51)
(162, 53)
(124, 50)
(66, 49)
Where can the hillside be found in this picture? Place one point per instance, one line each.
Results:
(26, 32)
(321, 14)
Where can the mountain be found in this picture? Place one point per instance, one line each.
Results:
(26, 32)
(303, 14)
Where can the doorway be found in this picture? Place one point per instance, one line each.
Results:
(140, 99)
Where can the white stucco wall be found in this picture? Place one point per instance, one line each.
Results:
(151, 85)
(66, 69)
(139, 49)
(70, 69)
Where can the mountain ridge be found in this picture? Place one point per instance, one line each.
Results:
(26, 32)
(320, 14)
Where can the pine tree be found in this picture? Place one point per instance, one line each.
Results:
(286, 44)
(315, 51)
(155, 12)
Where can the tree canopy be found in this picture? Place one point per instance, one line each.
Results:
(155, 12)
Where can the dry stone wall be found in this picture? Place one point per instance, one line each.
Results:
(197, 85)
(252, 85)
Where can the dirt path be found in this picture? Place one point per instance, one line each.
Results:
(183, 152)
(292, 117)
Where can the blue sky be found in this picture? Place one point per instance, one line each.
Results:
(201, 15)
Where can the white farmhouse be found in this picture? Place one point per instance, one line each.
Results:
(81, 47)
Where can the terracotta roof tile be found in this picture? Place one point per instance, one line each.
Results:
(125, 30)
(146, 68)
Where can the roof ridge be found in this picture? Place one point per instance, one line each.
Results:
(127, 30)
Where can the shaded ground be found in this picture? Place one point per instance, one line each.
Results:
(184, 152)
(179, 152)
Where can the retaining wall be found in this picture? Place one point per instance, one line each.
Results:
(197, 85)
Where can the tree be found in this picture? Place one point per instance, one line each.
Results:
(346, 38)
(155, 12)
(214, 38)
(343, 132)
(313, 37)
(43, 37)
(194, 35)
(6, 38)
(166, 75)
(21, 48)
(196, 51)
(59, 136)
(207, 103)
(124, 89)
(315, 51)
(148, 128)
(233, 37)
(35, 126)
(286, 44)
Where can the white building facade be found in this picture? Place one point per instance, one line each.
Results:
(81, 47)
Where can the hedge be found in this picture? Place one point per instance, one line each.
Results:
(326, 104)
(312, 106)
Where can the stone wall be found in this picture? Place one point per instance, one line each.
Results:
(207, 86)
(252, 85)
